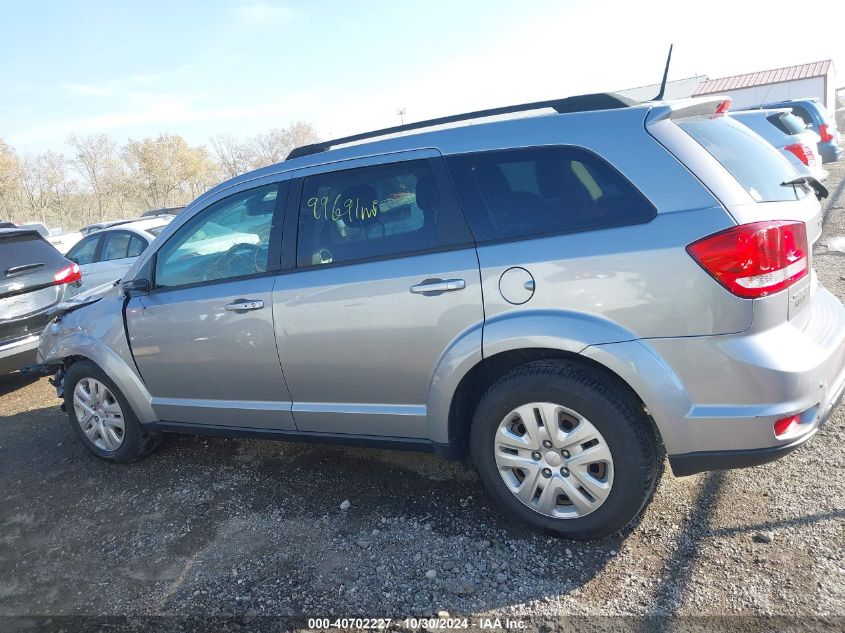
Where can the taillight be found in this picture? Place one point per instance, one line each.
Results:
(755, 260)
(68, 274)
(785, 425)
(824, 132)
(804, 153)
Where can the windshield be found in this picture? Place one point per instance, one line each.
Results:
(756, 165)
(156, 229)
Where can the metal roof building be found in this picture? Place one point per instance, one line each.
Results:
(816, 79)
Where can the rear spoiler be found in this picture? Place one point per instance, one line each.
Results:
(714, 105)
(11, 232)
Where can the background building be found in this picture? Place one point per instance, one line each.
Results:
(817, 80)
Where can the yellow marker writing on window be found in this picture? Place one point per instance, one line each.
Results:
(351, 209)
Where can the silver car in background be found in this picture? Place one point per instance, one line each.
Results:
(562, 296)
(790, 135)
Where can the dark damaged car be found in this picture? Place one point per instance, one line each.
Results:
(34, 281)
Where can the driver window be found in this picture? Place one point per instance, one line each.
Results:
(229, 239)
(83, 252)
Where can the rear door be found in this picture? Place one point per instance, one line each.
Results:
(386, 280)
(119, 249)
(203, 338)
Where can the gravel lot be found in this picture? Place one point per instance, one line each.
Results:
(238, 530)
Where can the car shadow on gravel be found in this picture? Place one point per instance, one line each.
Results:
(222, 527)
(681, 566)
(13, 382)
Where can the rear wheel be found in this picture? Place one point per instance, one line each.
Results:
(564, 449)
(102, 418)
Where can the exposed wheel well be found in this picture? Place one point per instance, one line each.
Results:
(70, 360)
(489, 370)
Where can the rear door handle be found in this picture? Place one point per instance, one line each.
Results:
(438, 286)
(242, 305)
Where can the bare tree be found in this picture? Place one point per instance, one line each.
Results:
(167, 171)
(96, 161)
(274, 146)
(40, 177)
(233, 157)
(153, 172)
(9, 182)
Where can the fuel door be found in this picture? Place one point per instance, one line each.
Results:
(516, 285)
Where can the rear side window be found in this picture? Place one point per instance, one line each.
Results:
(520, 193)
(756, 165)
(115, 246)
(380, 211)
(119, 245)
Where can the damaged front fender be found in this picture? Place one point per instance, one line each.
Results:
(93, 328)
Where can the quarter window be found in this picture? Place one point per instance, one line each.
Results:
(528, 192)
(753, 162)
(379, 211)
(229, 239)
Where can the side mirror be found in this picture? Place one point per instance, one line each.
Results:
(135, 287)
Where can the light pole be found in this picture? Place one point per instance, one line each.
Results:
(401, 112)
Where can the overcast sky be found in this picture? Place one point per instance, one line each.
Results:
(202, 68)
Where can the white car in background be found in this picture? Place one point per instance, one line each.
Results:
(105, 255)
(58, 238)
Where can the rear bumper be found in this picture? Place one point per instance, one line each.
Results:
(18, 354)
(692, 463)
(715, 399)
(739, 385)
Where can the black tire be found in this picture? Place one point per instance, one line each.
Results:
(617, 415)
(137, 442)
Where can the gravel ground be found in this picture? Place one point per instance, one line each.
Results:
(237, 530)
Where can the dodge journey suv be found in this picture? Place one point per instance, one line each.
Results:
(563, 297)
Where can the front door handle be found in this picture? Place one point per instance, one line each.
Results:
(242, 305)
(438, 286)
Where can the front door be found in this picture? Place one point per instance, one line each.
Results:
(203, 338)
(386, 280)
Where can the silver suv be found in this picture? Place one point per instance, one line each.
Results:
(562, 296)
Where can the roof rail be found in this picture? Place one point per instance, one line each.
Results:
(578, 103)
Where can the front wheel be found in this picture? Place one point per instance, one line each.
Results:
(565, 449)
(102, 417)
